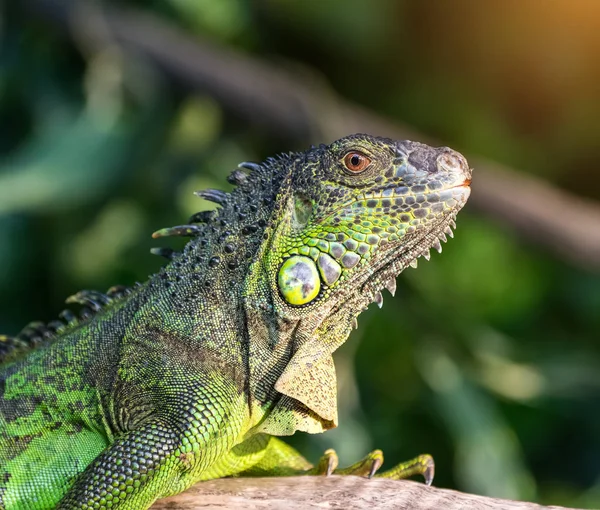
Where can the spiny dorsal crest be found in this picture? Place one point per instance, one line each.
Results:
(247, 177)
(243, 209)
(37, 333)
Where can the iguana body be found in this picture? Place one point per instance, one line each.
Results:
(188, 376)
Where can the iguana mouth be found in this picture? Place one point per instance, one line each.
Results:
(465, 184)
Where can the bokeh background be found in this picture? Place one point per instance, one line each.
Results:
(489, 356)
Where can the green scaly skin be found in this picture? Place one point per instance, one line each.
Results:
(189, 376)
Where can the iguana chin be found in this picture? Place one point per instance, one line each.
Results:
(191, 375)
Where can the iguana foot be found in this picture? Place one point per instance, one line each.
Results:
(422, 465)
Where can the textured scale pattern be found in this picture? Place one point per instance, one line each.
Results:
(189, 375)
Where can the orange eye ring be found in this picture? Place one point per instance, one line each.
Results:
(356, 162)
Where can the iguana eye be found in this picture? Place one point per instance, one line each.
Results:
(356, 162)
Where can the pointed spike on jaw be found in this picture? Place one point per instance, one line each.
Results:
(354, 323)
(414, 263)
(452, 223)
(391, 286)
(443, 238)
(449, 231)
(378, 299)
(426, 255)
(438, 246)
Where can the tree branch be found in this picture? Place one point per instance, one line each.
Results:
(342, 492)
(300, 107)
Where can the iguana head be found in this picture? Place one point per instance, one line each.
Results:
(346, 219)
(360, 211)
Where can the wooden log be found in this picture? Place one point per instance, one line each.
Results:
(333, 492)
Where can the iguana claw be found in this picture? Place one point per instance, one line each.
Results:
(327, 464)
(375, 465)
(368, 466)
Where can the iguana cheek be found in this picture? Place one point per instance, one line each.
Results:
(298, 280)
(330, 270)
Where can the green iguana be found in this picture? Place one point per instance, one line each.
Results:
(189, 376)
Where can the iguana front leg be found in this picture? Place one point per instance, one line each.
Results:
(280, 459)
(132, 473)
(163, 456)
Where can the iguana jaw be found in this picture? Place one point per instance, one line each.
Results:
(393, 261)
(393, 258)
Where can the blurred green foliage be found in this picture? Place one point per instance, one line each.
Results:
(489, 357)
